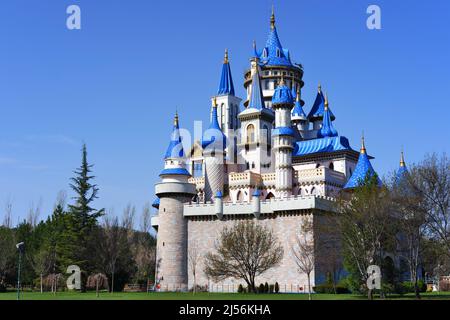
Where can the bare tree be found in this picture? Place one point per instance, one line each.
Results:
(193, 260)
(33, 213)
(243, 251)
(433, 182)
(109, 244)
(410, 215)
(303, 251)
(8, 213)
(145, 224)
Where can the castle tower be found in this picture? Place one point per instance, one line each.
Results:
(316, 114)
(214, 144)
(298, 116)
(227, 108)
(282, 103)
(173, 191)
(256, 125)
(274, 61)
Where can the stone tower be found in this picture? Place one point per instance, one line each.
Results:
(214, 144)
(282, 103)
(173, 191)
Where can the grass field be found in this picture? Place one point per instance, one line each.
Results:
(201, 296)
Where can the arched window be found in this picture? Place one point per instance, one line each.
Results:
(278, 53)
(265, 53)
(331, 166)
(250, 133)
(240, 196)
(317, 165)
(299, 192)
(313, 190)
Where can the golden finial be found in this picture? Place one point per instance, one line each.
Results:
(254, 44)
(175, 120)
(363, 146)
(319, 87)
(326, 101)
(225, 59)
(297, 98)
(402, 160)
(214, 102)
(272, 19)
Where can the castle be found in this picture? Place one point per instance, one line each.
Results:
(271, 162)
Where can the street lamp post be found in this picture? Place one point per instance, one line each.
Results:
(21, 247)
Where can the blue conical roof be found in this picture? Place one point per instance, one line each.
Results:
(226, 81)
(318, 107)
(214, 135)
(256, 97)
(297, 112)
(363, 170)
(175, 148)
(273, 54)
(327, 129)
(282, 94)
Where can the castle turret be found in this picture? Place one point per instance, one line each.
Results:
(227, 107)
(173, 191)
(213, 144)
(327, 130)
(298, 116)
(316, 114)
(282, 103)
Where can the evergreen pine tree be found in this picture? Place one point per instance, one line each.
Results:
(82, 219)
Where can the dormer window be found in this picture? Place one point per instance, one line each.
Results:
(265, 53)
(278, 53)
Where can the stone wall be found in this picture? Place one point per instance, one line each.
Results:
(204, 231)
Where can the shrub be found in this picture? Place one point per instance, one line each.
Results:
(261, 288)
(240, 289)
(2, 287)
(271, 288)
(408, 286)
(266, 287)
(277, 287)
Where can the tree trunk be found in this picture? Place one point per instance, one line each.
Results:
(112, 282)
(96, 287)
(195, 285)
(309, 287)
(370, 294)
(42, 288)
(416, 289)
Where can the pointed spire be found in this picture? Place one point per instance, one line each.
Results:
(225, 59)
(226, 80)
(327, 129)
(214, 135)
(363, 146)
(362, 171)
(272, 19)
(402, 160)
(317, 110)
(297, 112)
(175, 149)
(256, 96)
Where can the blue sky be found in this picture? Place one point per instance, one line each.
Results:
(116, 83)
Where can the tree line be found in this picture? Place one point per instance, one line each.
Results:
(102, 244)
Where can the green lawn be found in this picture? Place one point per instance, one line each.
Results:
(199, 296)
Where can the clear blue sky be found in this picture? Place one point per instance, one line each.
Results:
(115, 84)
